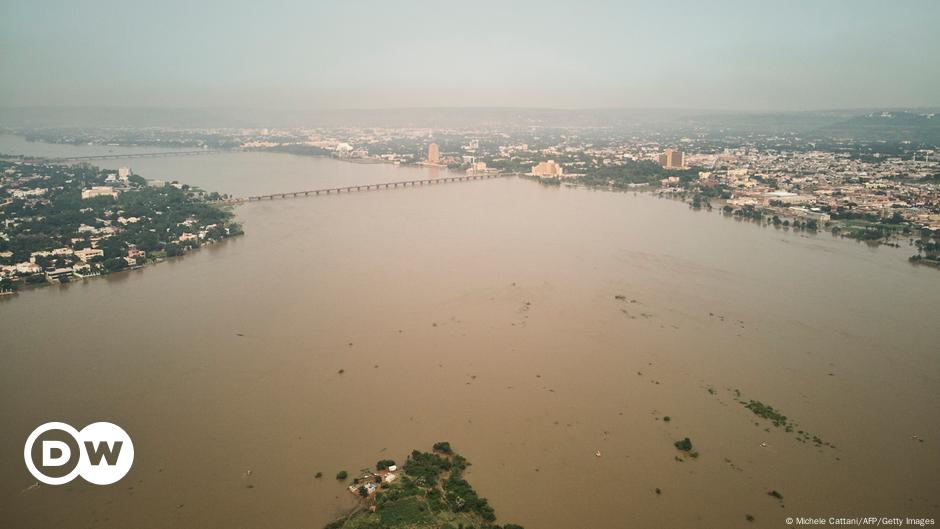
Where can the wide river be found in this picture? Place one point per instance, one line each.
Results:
(484, 314)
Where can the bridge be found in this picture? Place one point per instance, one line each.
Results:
(361, 187)
(162, 154)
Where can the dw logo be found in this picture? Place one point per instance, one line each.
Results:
(102, 453)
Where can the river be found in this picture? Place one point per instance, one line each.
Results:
(485, 314)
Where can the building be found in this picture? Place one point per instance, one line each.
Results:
(28, 268)
(133, 252)
(809, 214)
(124, 173)
(672, 159)
(26, 193)
(434, 154)
(786, 197)
(480, 168)
(99, 191)
(42, 253)
(89, 253)
(59, 274)
(548, 169)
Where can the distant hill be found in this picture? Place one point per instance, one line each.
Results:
(889, 126)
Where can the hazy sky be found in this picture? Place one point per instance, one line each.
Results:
(748, 55)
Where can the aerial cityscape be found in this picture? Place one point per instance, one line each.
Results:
(877, 192)
(300, 264)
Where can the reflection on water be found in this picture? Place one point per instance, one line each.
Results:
(485, 314)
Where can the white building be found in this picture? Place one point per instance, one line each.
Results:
(99, 191)
(25, 193)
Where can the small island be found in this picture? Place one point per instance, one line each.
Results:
(63, 223)
(428, 491)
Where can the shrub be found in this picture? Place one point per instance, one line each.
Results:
(426, 467)
(768, 412)
(342, 474)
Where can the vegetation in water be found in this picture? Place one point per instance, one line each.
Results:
(780, 420)
(430, 493)
(767, 412)
(443, 447)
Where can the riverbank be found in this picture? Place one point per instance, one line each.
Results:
(869, 232)
(68, 223)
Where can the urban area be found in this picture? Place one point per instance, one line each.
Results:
(61, 222)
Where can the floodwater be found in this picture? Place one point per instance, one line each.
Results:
(484, 314)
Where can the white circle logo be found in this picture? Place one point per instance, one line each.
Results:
(101, 453)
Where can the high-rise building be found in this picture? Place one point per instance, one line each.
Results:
(434, 153)
(672, 159)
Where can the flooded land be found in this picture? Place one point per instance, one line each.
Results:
(548, 332)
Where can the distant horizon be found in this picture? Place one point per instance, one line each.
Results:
(884, 108)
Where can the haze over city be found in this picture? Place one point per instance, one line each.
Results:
(294, 265)
(733, 55)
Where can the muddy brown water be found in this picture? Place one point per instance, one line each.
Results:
(483, 314)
